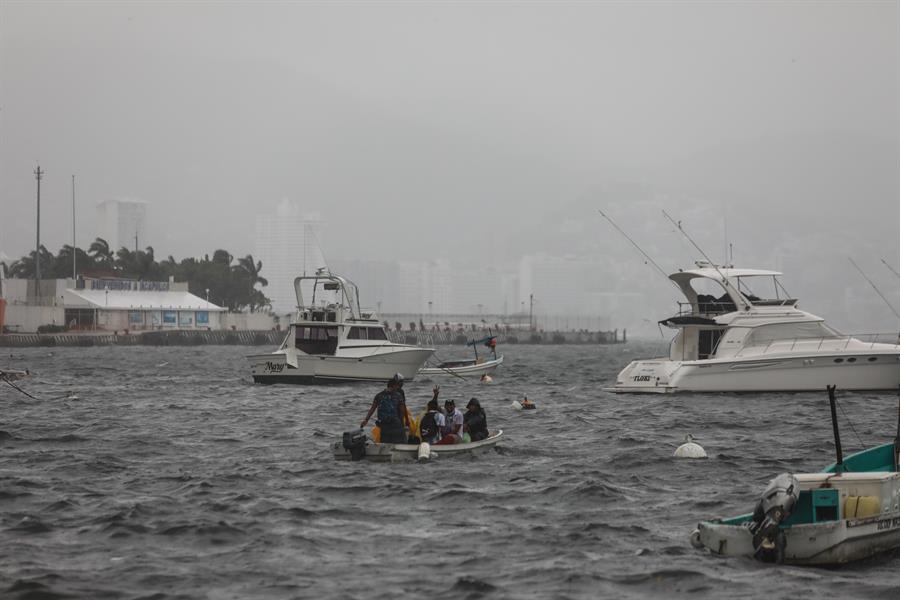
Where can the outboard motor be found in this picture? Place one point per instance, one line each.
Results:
(355, 442)
(773, 507)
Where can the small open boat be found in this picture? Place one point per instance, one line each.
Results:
(475, 367)
(13, 374)
(848, 512)
(399, 452)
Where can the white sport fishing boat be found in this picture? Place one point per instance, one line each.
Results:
(473, 367)
(736, 341)
(331, 340)
(850, 511)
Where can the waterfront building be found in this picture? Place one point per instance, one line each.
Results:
(86, 304)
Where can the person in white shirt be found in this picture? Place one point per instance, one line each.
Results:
(453, 430)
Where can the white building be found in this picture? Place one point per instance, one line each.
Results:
(123, 223)
(107, 305)
(289, 244)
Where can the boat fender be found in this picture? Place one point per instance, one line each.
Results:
(354, 441)
(774, 506)
(690, 449)
(424, 452)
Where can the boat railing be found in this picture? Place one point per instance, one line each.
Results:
(835, 343)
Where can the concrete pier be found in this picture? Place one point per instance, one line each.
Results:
(272, 337)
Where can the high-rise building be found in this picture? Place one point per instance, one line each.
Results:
(289, 244)
(123, 223)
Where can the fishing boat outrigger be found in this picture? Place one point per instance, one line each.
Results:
(475, 367)
(849, 511)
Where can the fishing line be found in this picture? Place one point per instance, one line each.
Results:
(639, 249)
(891, 268)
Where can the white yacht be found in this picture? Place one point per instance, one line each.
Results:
(331, 340)
(733, 340)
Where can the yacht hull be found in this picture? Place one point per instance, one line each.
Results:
(848, 371)
(312, 369)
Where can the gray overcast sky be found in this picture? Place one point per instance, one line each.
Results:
(417, 129)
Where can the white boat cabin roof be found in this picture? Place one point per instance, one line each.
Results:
(717, 274)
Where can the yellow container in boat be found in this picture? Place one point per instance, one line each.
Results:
(860, 507)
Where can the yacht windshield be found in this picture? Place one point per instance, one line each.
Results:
(765, 334)
(759, 293)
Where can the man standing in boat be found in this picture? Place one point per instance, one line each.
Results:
(392, 414)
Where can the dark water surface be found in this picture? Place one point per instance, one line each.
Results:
(173, 476)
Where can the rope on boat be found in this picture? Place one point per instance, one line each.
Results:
(849, 422)
(18, 389)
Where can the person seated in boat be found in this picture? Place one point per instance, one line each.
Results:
(392, 414)
(453, 429)
(432, 423)
(415, 435)
(526, 403)
(475, 421)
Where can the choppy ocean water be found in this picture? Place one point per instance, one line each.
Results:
(173, 476)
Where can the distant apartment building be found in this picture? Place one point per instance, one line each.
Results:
(288, 243)
(123, 223)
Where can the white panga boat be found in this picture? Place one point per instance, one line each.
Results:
(366, 449)
(849, 511)
(475, 367)
(13, 374)
(331, 340)
(741, 342)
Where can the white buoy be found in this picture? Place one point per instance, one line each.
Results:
(516, 405)
(424, 452)
(690, 449)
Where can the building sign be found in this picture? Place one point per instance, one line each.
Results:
(129, 285)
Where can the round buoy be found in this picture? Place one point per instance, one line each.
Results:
(690, 449)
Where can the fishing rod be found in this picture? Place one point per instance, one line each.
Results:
(891, 268)
(874, 287)
(633, 243)
(699, 249)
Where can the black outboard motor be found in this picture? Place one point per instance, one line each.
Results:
(355, 442)
(771, 510)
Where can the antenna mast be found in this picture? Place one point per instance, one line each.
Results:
(38, 174)
(74, 253)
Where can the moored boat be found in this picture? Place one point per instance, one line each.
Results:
(849, 511)
(729, 339)
(474, 367)
(400, 452)
(332, 341)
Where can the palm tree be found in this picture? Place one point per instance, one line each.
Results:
(102, 255)
(249, 269)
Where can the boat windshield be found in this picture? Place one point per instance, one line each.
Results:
(765, 334)
(756, 289)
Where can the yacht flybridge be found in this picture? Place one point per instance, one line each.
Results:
(331, 340)
(732, 340)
